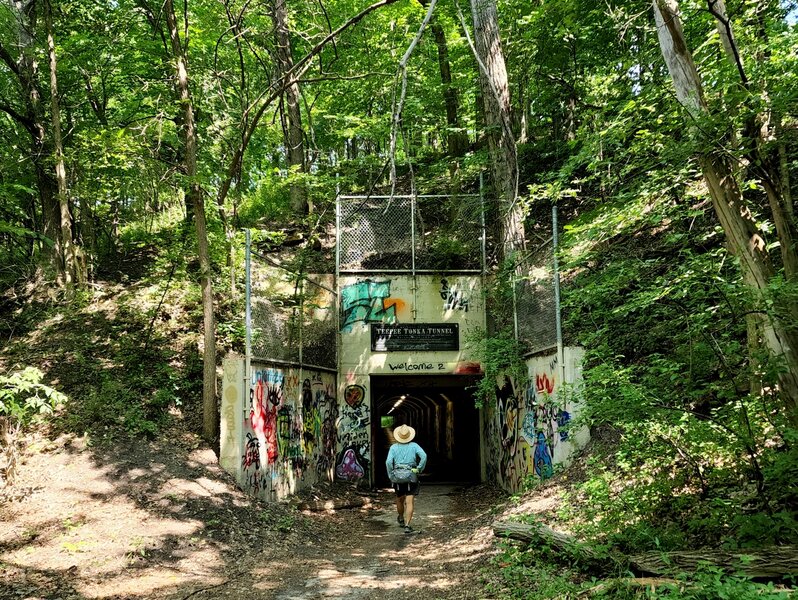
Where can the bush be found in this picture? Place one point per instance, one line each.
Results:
(23, 397)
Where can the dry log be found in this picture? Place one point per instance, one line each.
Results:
(322, 505)
(534, 533)
(558, 540)
(771, 562)
(774, 561)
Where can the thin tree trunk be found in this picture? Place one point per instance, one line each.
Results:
(26, 70)
(194, 198)
(293, 134)
(68, 251)
(456, 139)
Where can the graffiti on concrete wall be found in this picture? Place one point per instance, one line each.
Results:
(526, 428)
(548, 426)
(289, 429)
(329, 431)
(367, 302)
(354, 395)
(453, 299)
(353, 435)
(352, 464)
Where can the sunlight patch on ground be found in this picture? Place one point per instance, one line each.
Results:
(199, 488)
(83, 526)
(145, 584)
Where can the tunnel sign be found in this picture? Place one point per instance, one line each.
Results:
(415, 336)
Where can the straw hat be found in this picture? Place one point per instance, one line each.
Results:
(404, 434)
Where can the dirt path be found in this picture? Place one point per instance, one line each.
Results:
(374, 558)
(161, 520)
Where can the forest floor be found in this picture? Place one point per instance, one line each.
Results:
(160, 519)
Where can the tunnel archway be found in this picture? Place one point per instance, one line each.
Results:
(441, 409)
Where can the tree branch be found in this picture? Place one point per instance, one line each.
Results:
(289, 78)
(27, 123)
(399, 105)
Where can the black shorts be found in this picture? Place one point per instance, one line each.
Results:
(406, 489)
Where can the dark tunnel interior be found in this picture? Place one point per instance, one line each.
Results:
(441, 410)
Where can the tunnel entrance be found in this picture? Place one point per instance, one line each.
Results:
(441, 410)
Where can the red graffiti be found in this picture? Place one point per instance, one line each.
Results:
(354, 395)
(270, 431)
(257, 416)
(468, 367)
(544, 384)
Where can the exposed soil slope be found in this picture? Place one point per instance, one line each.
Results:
(161, 520)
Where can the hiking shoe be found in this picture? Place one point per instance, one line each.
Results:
(409, 529)
(401, 520)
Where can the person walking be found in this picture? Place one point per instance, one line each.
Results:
(405, 461)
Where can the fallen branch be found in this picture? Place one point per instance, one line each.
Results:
(651, 583)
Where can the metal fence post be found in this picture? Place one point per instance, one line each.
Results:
(248, 318)
(556, 268)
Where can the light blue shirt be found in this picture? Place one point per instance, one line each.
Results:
(406, 454)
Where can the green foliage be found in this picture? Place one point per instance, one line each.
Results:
(699, 460)
(447, 252)
(531, 572)
(115, 405)
(23, 396)
(500, 355)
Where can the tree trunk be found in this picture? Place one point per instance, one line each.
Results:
(456, 138)
(26, 70)
(293, 134)
(194, 198)
(501, 143)
(68, 252)
(761, 130)
(743, 237)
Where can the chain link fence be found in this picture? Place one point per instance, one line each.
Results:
(527, 304)
(410, 234)
(535, 299)
(293, 315)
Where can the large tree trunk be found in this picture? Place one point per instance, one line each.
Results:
(293, 134)
(194, 198)
(743, 237)
(761, 131)
(776, 561)
(501, 143)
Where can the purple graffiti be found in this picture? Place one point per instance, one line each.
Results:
(349, 468)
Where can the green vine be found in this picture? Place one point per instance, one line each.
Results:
(500, 355)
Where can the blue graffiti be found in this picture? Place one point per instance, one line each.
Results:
(365, 302)
(563, 418)
(268, 376)
(543, 467)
